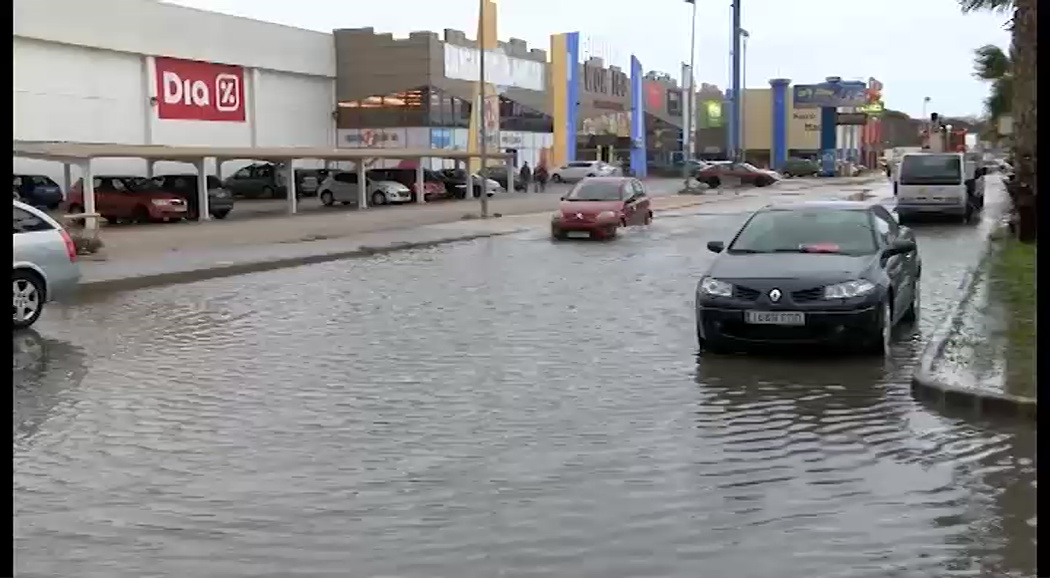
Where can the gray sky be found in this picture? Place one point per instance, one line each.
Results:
(916, 48)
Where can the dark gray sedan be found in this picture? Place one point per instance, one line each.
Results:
(812, 274)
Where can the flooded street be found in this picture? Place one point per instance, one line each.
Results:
(507, 406)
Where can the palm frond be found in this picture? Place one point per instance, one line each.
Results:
(991, 63)
(1002, 6)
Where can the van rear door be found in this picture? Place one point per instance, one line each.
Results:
(931, 179)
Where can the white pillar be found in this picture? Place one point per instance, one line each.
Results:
(362, 185)
(218, 169)
(67, 177)
(470, 185)
(151, 165)
(203, 210)
(420, 188)
(510, 176)
(293, 202)
(89, 194)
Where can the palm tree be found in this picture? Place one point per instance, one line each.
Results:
(994, 66)
(1024, 81)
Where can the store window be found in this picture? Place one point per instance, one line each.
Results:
(405, 108)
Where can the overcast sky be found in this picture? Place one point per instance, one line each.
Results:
(916, 48)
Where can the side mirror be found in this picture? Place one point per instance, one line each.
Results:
(562, 198)
(716, 246)
(899, 247)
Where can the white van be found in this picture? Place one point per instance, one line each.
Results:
(938, 184)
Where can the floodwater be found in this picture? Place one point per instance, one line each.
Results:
(507, 406)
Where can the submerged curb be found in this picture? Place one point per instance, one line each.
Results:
(926, 386)
(90, 288)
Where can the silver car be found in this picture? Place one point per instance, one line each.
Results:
(341, 186)
(578, 170)
(45, 264)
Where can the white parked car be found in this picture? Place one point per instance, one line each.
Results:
(578, 170)
(341, 187)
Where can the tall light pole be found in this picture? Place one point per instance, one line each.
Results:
(744, 35)
(690, 106)
(482, 136)
(734, 121)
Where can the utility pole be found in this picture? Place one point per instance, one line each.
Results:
(734, 121)
(482, 133)
(744, 35)
(687, 130)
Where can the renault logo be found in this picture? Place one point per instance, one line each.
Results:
(579, 215)
(774, 295)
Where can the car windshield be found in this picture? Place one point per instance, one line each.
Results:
(931, 169)
(132, 184)
(845, 232)
(749, 167)
(596, 190)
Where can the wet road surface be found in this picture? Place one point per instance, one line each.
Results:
(508, 406)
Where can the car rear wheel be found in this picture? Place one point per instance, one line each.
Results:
(327, 199)
(267, 193)
(140, 214)
(713, 182)
(556, 178)
(220, 214)
(763, 182)
(378, 198)
(649, 218)
(28, 298)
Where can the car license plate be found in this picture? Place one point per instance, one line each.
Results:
(775, 318)
(178, 208)
(578, 235)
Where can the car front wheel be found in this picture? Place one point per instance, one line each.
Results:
(28, 299)
(378, 198)
(327, 199)
(881, 337)
(556, 178)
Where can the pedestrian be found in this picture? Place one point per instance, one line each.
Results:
(541, 178)
(525, 176)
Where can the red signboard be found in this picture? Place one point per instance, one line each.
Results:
(192, 90)
(653, 95)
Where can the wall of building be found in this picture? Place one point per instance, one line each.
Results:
(528, 144)
(757, 119)
(85, 71)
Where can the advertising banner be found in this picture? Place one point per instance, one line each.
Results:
(688, 124)
(710, 114)
(838, 94)
(192, 90)
(638, 160)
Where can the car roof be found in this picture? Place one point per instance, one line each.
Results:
(824, 205)
(607, 179)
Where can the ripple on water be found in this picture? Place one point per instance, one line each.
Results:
(506, 406)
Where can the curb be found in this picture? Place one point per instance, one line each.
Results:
(926, 386)
(92, 288)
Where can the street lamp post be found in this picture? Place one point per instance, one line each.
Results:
(687, 130)
(735, 80)
(744, 35)
(482, 136)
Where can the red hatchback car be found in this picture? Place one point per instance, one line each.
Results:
(129, 198)
(598, 206)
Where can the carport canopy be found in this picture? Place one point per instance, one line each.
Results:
(81, 154)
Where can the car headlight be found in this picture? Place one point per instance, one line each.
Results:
(556, 216)
(161, 202)
(715, 288)
(849, 289)
(606, 215)
(221, 194)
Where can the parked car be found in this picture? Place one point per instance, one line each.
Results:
(456, 181)
(267, 181)
(716, 173)
(434, 187)
(124, 197)
(342, 187)
(816, 274)
(45, 264)
(577, 170)
(37, 191)
(499, 174)
(800, 168)
(220, 201)
(597, 208)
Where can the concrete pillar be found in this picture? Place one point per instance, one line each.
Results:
(89, 194)
(218, 169)
(151, 166)
(420, 188)
(289, 175)
(511, 175)
(67, 178)
(203, 209)
(362, 185)
(470, 185)
(827, 140)
(778, 139)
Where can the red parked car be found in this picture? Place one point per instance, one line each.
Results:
(598, 206)
(128, 198)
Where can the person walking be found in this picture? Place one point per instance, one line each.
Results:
(525, 176)
(541, 177)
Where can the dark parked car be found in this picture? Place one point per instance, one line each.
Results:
(800, 168)
(433, 185)
(714, 174)
(456, 182)
(817, 274)
(220, 201)
(498, 173)
(37, 191)
(267, 181)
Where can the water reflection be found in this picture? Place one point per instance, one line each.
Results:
(44, 370)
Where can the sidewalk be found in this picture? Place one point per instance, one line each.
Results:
(160, 264)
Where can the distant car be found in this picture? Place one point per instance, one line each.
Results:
(800, 168)
(815, 274)
(499, 174)
(342, 187)
(37, 191)
(433, 187)
(220, 201)
(129, 198)
(717, 173)
(45, 264)
(597, 207)
(456, 181)
(268, 181)
(577, 170)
